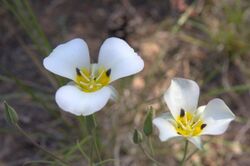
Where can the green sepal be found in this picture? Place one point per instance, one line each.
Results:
(10, 114)
(148, 124)
(137, 137)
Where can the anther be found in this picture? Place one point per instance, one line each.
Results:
(178, 133)
(203, 126)
(78, 72)
(108, 72)
(182, 113)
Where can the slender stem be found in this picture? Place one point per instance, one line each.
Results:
(37, 25)
(94, 133)
(149, 156)
(82, 152)
(91, 155)
(92, 130)
(185, 153)
(38, 146)
(151, 145)
(189, 156)
(38, 64)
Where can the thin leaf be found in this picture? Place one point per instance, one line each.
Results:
(82, 151)
(105, 161)
(38, 162)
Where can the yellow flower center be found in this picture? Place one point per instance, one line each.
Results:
(188, 124)
(93, 79)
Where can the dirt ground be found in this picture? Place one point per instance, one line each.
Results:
(217, 58)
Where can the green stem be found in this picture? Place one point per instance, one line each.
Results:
(38, 146)
(82, 152)
(37, 25)
(149, 156)
(92, 129)
(94, 133)
(151, 145)
(189, 156)
(105, 161)
(185, 153)
(91, 155)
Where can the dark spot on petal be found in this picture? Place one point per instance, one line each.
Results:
(182, 113)
(203, 126)
(178, 133)
(108, 72)
(78, 72)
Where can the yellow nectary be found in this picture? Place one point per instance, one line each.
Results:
(92, 80)
(188, 124)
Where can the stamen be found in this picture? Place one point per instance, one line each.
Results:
(78, 72)
(83, 83)
(84, 76)
(93, 79)
(195, 123)
(203, 126)
(188, 124)
(99, 76)
(108, 72)
(182, 113)
(182, 125)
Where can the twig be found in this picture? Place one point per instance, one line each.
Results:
(38, 146)
(149, 156)
(185, 153)
(191, 154)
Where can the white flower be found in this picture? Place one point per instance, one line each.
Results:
(90, 91)
(185, 119)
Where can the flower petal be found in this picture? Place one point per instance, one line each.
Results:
(65, 58)
(200, 110)
(114, 94)
(166, 129)
(196, 141)
(117, 55)
(217, 117)
(71, 99)
(182, 94)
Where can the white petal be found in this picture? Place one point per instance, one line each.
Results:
(217, 116)
(114, 94)
(196, 141)
(200, 110)
(65, 58)
(166, 129)
(71, 99)
(117, 55)
(218, 110)
(182, 94)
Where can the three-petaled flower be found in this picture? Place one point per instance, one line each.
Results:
(185, 119)
(90, 90)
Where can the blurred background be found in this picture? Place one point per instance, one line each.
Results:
(207, 41)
